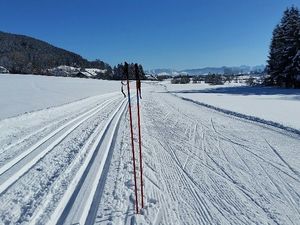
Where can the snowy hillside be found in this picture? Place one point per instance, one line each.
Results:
(23, 54)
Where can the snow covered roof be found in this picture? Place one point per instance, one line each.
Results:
(3, 70)
(95, 71)
(87, 74)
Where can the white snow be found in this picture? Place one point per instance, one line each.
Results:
(94, 71)
(272, 104)
(201, 166)
(26, 93)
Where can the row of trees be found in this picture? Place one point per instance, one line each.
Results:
(118, 72)
(181, 80)
(284, 56)
(218, 79)
(213, 79)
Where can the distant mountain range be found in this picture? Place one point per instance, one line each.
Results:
(206, 70)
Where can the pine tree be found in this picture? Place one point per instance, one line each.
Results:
(118, 72)
(283, 63)
(291, 29)
(275, 55)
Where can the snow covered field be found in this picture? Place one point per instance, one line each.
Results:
(72, 163)
(272, 104)
(26, 93)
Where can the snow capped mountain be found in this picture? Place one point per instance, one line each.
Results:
(163, 72)
(206, 70)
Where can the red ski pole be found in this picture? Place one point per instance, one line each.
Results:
(132, 142)
(138, 94)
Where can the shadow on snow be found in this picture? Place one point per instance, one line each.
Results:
(246, 90)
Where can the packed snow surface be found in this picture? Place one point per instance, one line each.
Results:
(272, 104)
(72, 163)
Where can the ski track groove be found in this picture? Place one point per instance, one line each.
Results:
(98, 132)
(23, 139)
(181, 139)
(51, 123)
(25, 153)
(283, 161)
(80, 176)
(181, 176)
(19, 173)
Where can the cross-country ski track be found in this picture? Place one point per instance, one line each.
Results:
(72, 164)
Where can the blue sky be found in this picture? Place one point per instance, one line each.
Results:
(176, 34)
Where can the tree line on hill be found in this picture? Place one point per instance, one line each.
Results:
(21, 54)
(284, 55)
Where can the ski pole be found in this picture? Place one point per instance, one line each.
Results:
(132, 142)
(138, 89)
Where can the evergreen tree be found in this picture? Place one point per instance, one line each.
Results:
(283, 62)
(118, 72)
(275, 55)
(291, 29)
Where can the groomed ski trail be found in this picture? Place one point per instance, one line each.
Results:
(203, 166)
(40, 175)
